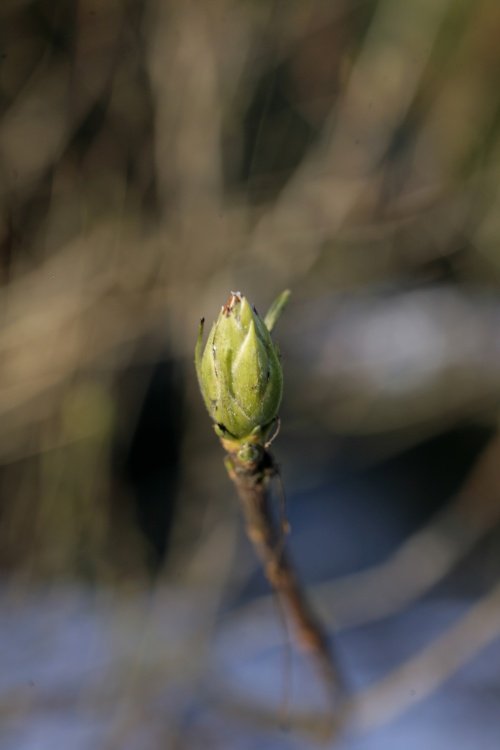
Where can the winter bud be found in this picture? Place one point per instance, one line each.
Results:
(239, 370)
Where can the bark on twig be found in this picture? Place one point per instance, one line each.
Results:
(251, 480)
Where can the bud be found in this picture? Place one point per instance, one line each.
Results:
(239, 371)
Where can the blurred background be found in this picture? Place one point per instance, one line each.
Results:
(154, 155)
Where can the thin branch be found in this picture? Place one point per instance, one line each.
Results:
(407, 684)
(251, 481)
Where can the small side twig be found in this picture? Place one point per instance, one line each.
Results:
(251, 479)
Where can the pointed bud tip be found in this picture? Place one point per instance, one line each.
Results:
(235, 298)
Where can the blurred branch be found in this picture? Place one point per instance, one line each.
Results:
(419, 563)
(427, 557)
(404, 686)
(188, 110)
(336, 175)
(422, 674)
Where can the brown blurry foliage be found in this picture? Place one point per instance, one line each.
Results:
(153, 155)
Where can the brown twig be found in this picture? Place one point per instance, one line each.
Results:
(251, 479)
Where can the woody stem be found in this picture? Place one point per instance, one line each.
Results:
(251, 480)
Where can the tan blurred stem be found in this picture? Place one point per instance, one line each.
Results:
(251, 480)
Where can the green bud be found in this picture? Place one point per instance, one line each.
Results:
(239, 371)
